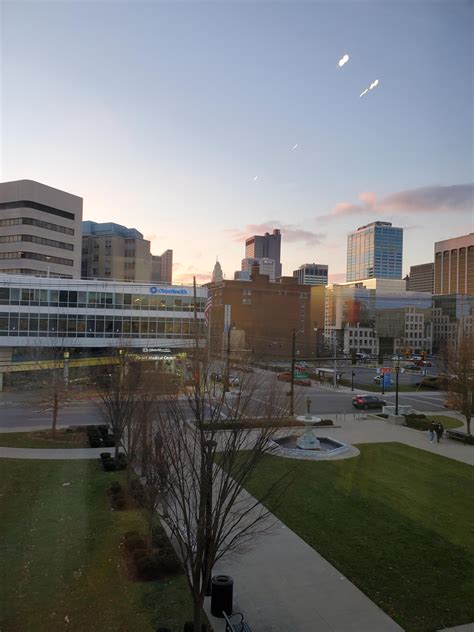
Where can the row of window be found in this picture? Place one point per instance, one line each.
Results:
(83, 326)
(108, 300)
(30, 221)
(36, 240)
(36, 256)
(37, 206)
(37, 273)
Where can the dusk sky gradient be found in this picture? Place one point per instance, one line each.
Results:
(161, 115)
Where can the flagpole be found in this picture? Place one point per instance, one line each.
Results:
(209, 336)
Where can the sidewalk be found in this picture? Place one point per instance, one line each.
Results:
(282, 584)
(58, 454)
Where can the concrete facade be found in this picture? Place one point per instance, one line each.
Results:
(162, 267)
(40, 230)
(454, 265)
(265, 246)
(312, 274)
(421, 278)
(114, 252)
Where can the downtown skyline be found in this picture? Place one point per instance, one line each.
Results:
(224, 121)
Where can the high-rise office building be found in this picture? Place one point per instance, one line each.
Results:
(40, 230)
(111, 251)
(421, 278)
(312, 274)
(162, 267)
(375, 251)
(454, 265)
(267, 246)
(266, 266)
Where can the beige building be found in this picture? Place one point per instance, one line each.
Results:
(454, 265)
(111, 251)
(40, 230)
(162, 267)
(421, 278)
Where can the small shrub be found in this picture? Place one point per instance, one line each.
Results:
(105, 455)
(118, 501)
(134, 542)
(108, 465)
(159, 538)
(169, 561)
(121, 461)
(148, 568)
(137, 554)
(115, 488)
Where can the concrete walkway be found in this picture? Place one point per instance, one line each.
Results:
(283, 584)
(56, 454)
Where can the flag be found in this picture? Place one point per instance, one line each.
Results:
(207, 309)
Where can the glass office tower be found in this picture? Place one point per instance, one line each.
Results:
(375, 251)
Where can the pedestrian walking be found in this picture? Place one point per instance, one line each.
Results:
(432, 431)
(439, 431)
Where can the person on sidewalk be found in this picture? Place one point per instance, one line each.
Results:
(439, 431)
(432, 431)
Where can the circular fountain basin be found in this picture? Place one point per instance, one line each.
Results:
(328, 448)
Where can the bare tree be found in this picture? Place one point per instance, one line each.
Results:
(459, 363)
(205, 470)
(51, 362)
(117, 386)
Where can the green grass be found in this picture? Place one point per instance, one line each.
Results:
(447, 421)
(396, 521)
(44, 439)
(60, 555)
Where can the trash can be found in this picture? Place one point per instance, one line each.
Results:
(222, 595)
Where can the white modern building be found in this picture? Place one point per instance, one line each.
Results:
(40, 230)
(312, 274)
(40, 312)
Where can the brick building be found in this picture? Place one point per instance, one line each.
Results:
(262, 316)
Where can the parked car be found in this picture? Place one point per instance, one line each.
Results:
(284, 377)
(415, 358)
(367, 401)
(302, 381)
(422, 363)
(396, 358)
(378, 379)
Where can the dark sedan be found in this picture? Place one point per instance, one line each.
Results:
(367, 401)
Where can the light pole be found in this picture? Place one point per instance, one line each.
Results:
(352, 381)
(397, 371)
(293, 362)
(209, 445)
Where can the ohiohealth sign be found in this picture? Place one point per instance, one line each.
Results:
(168, 290)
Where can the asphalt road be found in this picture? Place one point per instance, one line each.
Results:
(17, 412)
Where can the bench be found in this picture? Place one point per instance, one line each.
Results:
(459, 435)
(237, 626)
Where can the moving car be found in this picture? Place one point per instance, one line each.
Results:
(284, 377)
(300, 381)
(367, 401)
(378, 379)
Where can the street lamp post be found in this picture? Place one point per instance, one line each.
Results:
(292, 377)
(397, 371)
(352, 381)
(209, 445)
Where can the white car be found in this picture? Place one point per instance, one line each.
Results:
(378, 379)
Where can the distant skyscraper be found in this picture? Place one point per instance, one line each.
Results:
(312, 274)
(421, 278)
(454, 265)
(375, 251)
(162, 267)
(217, 274)
(265, 247)
(266, 266)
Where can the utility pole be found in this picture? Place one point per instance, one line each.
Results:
(227, 369)
(352, 381)
(292, 379)
(397, 371)
(335, 357)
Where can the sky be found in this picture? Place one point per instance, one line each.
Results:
(202, 123)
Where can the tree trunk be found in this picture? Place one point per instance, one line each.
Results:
(55, 412)
(468, 424)
(117, 444)
(197, 618)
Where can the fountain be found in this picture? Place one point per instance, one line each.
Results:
(308, 445)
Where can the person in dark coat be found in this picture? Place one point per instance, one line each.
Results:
(439, 431)
(432, 431)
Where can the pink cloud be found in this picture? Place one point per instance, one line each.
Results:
(289, 232)
(432, 199)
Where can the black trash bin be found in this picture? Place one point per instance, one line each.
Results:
(222, 595)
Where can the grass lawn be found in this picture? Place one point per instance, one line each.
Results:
(396, 521)
(60, 563)
(44, 439)
(446, 420)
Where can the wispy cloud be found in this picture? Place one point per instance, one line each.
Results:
(432, 199)
(291, 233)
(187, 277)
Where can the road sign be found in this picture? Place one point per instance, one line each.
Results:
(385, 369)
